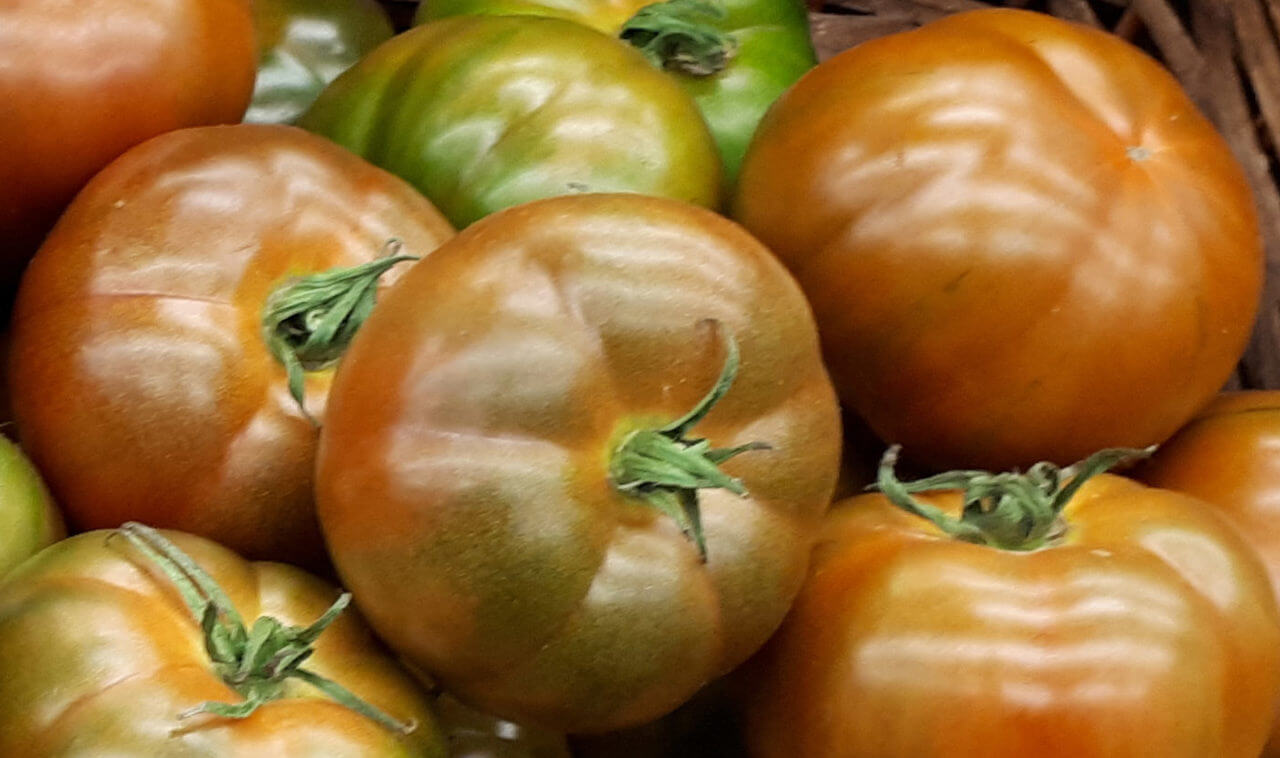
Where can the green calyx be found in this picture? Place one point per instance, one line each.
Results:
(665, 469)
(309, 322)
(1009, 511)
(682, 35)
(256, 662)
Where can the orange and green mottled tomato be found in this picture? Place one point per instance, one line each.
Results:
(142, 382)
(305, 44)
(101, 656)
(1229, 456)
(29, 521)
(1020, 239)
(81, 81)
(484, 112)
(1143, 626)
(735, 57)
(541, 425)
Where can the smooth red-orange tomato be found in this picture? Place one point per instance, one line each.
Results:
(141, 381)
(84, 80)
(485, 479)
(1146, 628)
(1021, 240)
(1229, 456)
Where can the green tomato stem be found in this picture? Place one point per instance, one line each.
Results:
(309, 322)
(683, 36)
(1008, 511)
(665, 469)
(255, 663)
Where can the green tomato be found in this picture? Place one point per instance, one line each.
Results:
(735, 57)
(305, 44)
(484, 112)
(29, 522)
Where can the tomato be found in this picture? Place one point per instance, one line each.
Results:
(1140, 624)
(102, 654)
(482, 113)
(472, 734)
(84, 80)
(735, 57)
(29, 521)
(305, 44)
(142, 383)
(516, 442)
(1229, 455)
(1020, 239)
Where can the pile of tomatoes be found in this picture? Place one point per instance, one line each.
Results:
(552, 332)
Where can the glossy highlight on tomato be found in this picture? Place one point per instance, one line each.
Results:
(100, 656)
(1021, 240)
(303, 45)
(473, 734)
(84, 80)
(1145, 627)
(143, 384)
(1229, 456)
(477, 476)
(766, 49)
(482, 113)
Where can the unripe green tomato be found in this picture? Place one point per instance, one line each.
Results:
(485, 112)
(305, 44)
(768, 49)
(29, 522)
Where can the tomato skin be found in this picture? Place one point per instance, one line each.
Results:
(1149, 631)
(1000, 280)
(1227, 456)
(773, 51)
(471, 476)
(84, 80)
(482, 113)
(305, 44)
(29, 521)
(142, 385)
(99, 656)
(473, 734)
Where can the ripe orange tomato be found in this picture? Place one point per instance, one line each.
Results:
(1021, 240)
(143, 384)
(1140, 624)
(1229, 455)
(84, 80)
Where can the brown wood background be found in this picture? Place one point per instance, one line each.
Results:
(1225, 52)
